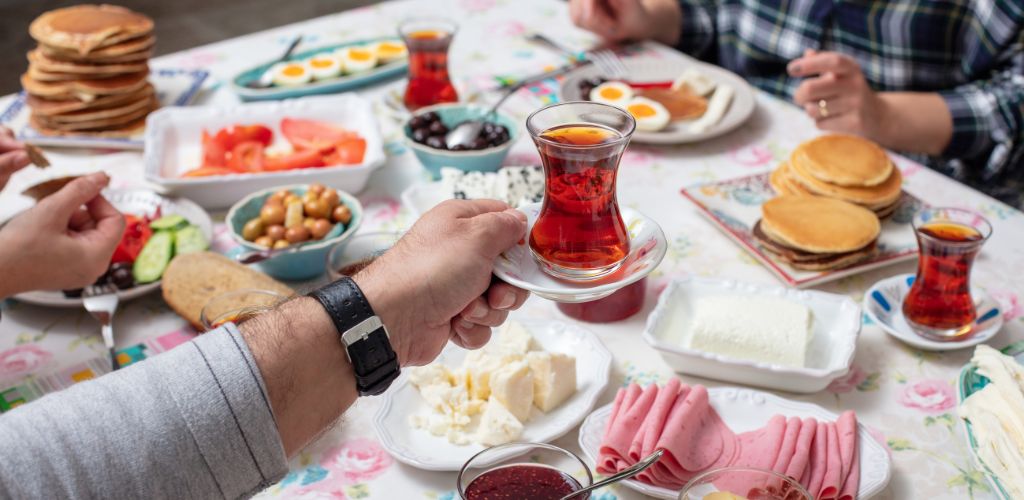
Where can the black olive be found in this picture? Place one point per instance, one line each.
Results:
(438, 128)
(121, 277)
(479, 143)
(431, 117)
(418, 122)
(420, 135)
(436, 142)
(489, 127)
(103, 279)
(459, 147)
(73, 294)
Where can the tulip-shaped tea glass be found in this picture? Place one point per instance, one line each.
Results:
(939, 305)
(427, 40)
(579, 234)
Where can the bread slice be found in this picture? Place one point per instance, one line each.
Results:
(192, 279)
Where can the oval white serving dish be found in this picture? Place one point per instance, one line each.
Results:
(835, 326)
(174, 146)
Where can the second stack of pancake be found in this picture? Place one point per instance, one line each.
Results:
(89, 74)
(815, 233)
(844, 167)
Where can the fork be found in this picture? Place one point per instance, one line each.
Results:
(101, 302)
(606, 61)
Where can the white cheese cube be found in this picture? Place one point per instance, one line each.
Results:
(479, 365)
(512, 386)
(434, 373)
(498, 425)
(554, 378)
(763, 329)
(513, 342)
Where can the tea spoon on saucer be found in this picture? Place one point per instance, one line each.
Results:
(625, 474)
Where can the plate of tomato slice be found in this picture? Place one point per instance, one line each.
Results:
(216, 156)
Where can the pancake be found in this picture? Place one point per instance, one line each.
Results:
(94, 115)
(819, 225)
(85, 90)
(681, 104)
(807, 261)
(119, 132)
(783, 184)
(843, 160)
(97, 124)
(132, 47)
(878, 196)
(51, 107)
(132, 57)
(40, 62)
(84, 28)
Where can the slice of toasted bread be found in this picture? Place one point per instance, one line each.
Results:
(192, 279)
(46, 188)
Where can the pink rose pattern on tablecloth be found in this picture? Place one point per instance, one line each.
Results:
(848, 382)
(929, 396)
(22, 360)
(1009, 303)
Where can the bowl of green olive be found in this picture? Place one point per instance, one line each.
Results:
(298, 223)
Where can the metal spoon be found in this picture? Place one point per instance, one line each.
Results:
(262, 255)
(466, 132)
(267, 78)
(625, 474)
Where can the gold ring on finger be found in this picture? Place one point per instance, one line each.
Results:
(823, 108)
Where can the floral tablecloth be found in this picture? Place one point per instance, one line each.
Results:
(905, 396)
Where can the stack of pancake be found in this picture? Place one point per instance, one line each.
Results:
(815, 233)
(89, 73)
(844, 167)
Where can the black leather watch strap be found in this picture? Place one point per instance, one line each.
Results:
(362, 335)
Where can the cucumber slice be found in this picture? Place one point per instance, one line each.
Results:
(189, 239)
(154, 257)
(173, 221)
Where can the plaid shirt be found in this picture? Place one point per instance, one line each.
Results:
(969, 51)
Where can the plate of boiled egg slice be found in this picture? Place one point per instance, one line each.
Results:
(674, 98)
(326, 70)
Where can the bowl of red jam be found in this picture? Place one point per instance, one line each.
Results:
(536, 471)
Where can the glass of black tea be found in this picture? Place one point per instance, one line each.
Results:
(523, 471)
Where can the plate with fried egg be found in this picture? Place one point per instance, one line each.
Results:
(674, 98)
(326, 70)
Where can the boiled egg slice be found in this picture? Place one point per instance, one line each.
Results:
(649, 114)
(358, 59)
(292, 73)
(324, 66)
(613, 93)
(389, 51)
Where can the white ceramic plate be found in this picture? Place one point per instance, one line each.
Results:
(883, 304)
(134, 202)
(666, 68)
(734, 206)
(174, 87)
(174, 146)
(423, 450)
(647, 246)
(745, 410)
(835, 326)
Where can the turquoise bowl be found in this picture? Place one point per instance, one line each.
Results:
(483, 160)
(309, 261)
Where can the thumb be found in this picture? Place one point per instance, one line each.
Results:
(499, 231)
(76, 193)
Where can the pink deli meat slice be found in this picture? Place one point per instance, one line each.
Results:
(695, 438)
(801, 455)
(788, 448)
(655, 421)
(623, 400)
(819, 459)
(660, 475)
(846, 427)
(615, 447)
(833, 467)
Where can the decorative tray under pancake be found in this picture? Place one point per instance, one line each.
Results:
(734, 206)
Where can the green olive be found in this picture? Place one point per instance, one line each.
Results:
(252, 229)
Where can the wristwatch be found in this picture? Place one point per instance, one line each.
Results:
(366, 340)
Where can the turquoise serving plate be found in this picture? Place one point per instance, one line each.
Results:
(306, 263)
(970, 382)
(330, 86)
(483, 160)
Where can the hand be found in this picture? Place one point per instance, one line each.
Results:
(12, 156)
(850, 105)
(436, 284)
(63, 242)
(620, 20)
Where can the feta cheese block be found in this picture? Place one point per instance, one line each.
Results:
(434, 373)
(554, 378)
(479, 366)
(497, 425)
(763, 329)
(512, 386)
(515, 185)
(513, 340)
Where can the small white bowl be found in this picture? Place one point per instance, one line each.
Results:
(835, 327)
(647, 246)
(883, 303)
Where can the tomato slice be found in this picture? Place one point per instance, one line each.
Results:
(136, 234)
(350, 151)
(232, 136)
(247, 157)
(310, 134)
(214, 152)
(209, 171)
(298, 159)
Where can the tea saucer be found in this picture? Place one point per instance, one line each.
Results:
(647, 244)
(883, 304)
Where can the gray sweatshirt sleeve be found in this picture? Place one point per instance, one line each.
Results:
(194, 422)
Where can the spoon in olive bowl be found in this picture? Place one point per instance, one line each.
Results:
(624, 474)
(466, 132)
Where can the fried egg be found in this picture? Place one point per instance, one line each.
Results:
(649, 114)
(324, 66)
(614, 93)
(357, 59)
(389, 51)
(291, 73)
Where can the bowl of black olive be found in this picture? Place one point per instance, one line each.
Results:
(425, 132)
